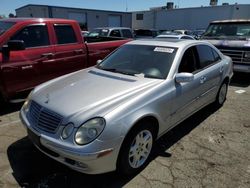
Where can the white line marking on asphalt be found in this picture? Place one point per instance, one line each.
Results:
(240, 91)
(10, 123)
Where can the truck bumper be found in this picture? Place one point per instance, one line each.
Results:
(242, 68)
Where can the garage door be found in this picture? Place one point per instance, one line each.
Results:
(114, 21)
(80, 17)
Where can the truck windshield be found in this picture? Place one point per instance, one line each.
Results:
(228, 30)
(99, 33)
(140, 60)
(4, 26)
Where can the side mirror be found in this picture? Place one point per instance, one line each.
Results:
(16, 45)
(184, 77)
(98, 61)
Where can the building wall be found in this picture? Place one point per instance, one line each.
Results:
(189, 18)
(33, 11)
(95, 18)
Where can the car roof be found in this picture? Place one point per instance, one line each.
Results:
(112, 28)
(230, 21)
(176, 43)
(174, 35)
(37, 20)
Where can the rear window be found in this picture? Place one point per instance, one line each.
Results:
(4, 26)
(206, 55)
(127, 33)
(65, 34)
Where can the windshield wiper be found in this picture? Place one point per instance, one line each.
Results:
(126, 72)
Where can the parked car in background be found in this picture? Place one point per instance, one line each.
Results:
(198, 33)
(120, 32)
(175, 36)
(34, 50)
(232, 38)
(109, 116)
(85, 33)
(146, 33)
(182, 31)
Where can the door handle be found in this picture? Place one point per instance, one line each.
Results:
(203, 79)
(221, 69)
(48, 55)
(78, 51)
(27, 67)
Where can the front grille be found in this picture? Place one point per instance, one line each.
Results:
(43, 118)
(238, 56)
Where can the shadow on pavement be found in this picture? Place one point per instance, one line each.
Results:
(33, 169)
(240, 79)
(7, 108)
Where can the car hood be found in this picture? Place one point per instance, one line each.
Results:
(91, 91)
(230, 43)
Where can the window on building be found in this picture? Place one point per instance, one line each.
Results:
(33, 36)
(139, 16)
(65, 34)
(115, 33)
(127, 33)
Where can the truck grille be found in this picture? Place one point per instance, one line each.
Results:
(43, 119)
(238, 56)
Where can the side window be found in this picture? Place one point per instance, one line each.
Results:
(206, 55)
(33, 36)
(216, 55)
(188, 61)
(127, 33)
(65, 34)
(115, 33)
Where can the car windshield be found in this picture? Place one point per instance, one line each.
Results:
(4, 26)
(140, 60)
(99, 33)
(228, 30)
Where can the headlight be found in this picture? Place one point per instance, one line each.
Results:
(89, 131)
(67, 130)
(26, 104)
(247, 54)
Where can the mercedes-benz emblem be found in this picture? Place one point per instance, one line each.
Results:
(47, 99)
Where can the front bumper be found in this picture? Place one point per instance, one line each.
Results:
(101, 161)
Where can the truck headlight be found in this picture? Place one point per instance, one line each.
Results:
(67, 130)
(89, 131)
(247, 55)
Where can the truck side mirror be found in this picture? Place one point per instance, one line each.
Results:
(16, 45)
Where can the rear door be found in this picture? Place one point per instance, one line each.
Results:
(70, 53)
(21, 71)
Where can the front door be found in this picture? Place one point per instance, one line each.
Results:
(21, 69)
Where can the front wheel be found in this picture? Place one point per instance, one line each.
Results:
(222, 94)
(136, 149)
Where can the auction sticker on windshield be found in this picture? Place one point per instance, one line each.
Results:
(166, 50)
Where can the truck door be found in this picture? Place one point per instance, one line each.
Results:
(21, 69)
(71, 54)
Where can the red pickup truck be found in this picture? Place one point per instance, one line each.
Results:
(34, 50)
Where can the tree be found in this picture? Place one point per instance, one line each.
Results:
(11, 15)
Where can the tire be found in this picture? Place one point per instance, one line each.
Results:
(221, 95)
(136, 149)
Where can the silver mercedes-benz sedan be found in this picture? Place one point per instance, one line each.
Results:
(108, 117)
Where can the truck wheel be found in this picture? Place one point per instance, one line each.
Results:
(221, 95)
(136, 150)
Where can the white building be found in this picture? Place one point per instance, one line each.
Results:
(87, 18)
(187, 18)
